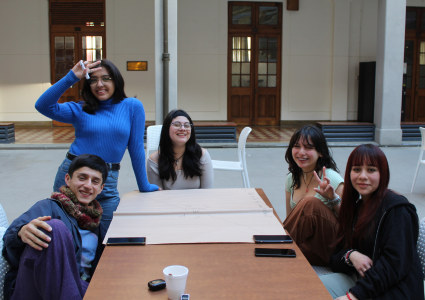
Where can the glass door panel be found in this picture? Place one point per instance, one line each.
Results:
(267, 58)
(64, 55)
(411, 19)
(241, 15)
(92, 47)
(241, 61)
(268, 15)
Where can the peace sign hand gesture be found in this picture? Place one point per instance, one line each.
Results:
(326, 190)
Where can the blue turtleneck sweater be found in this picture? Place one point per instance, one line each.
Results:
(107, 133)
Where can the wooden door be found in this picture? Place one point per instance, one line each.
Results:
(240, 79)
(63, 57)
(77, 32)
(414, 58)
(69, 48)
(254, 63)
(418, 114)
(267, 80)
(409, 81)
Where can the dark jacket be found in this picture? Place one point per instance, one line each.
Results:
(396, 272)
(13, 245)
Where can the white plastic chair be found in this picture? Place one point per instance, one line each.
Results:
(153, 135)
(240, 165)
(421, 244)
(3, 218)
(4, 265)
(421, 160)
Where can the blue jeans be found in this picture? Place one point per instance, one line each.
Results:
(109, 198)
(338, 284)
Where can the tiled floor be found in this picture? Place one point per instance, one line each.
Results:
(54, 135)
(268, 134)
(60, 135)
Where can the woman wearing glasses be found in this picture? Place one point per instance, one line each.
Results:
(106, 123)
(180, 163)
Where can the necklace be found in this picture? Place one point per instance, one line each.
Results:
(306, 190)
(176, 161)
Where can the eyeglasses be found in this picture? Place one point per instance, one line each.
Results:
(178, 125)
(105, 80)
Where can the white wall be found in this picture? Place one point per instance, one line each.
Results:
(309, 54)
(417, 3)
(130, 36)
(307, 61)
(202, 52)
(24, 53)
(24, 58)
(307, 47)
(310, 48)
(363, 31)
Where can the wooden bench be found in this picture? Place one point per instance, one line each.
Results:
(211, 132)
(347, 131)
(410, 131)
(7, 133)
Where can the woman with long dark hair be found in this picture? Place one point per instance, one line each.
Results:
(180, 163)
(106, 123)
(313, 189)
(376, 255)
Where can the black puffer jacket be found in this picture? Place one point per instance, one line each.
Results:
(396, 272)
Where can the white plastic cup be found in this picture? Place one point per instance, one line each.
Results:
(175, 280)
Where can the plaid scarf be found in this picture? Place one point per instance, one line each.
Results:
(88, 217)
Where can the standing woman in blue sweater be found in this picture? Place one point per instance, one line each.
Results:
(106, 123)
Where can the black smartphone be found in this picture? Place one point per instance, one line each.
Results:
(126, 241)
(275, 252)
(271, 239)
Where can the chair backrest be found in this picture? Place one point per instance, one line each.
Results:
(242, 142)
(3, 218)
(4, 265)
(422, 129)
(421, 244)
(153, 135)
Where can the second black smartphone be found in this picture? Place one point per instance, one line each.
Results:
(126, 241)
(275, 252)
(271, 239)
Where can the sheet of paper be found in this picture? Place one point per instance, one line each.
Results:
(194, 216)
(196, 228)
(191, 200)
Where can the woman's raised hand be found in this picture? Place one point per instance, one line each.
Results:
(361, 262)
(80, 73)
(326, 190)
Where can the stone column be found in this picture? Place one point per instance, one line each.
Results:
(172, 49)
(389, 71)
(341, 42)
